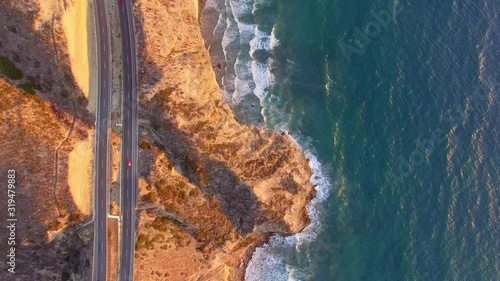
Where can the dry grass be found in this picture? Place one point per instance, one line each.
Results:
(35, 121)
(27, 122)
(221, 185)
(113, 248)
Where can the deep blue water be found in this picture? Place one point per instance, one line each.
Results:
(398, 103)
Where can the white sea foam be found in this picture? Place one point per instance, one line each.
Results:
(243, 81)
(262, 77)
(210, 4)
(240, 8)
(260, 41)
(237, 81)
(268, 262)
(228, 39)
(246, 32)
(261, 71)
(250, 75)
(268, 266)
(274, 41)
(230, 34)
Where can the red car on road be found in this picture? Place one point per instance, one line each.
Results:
(130, 163)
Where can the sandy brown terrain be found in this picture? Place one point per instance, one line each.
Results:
(75, 23)
(113, 248)
(30, 132)
(46, 131)
(211, 189)
(80, 174)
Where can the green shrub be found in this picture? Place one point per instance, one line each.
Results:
(27, 87)
(160, 223)
(142, 238)
(170, 165)
(161, 183)
(151, 197)
(139, 247)
(158, 237)
(65, 276)
(68, 77)
(144, 145)
(65, 93)
(141, 241)
(149, 244)
(46, 24)
(75, 217)
(54, 225)
(9, 69)
(35, 81)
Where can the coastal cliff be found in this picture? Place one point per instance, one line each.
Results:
(211, 189)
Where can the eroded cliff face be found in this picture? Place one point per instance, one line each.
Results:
(212, 189)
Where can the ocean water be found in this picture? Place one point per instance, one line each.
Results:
(396, 104)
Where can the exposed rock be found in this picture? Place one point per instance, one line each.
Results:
(216, 188)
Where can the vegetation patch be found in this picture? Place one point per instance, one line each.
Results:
(27, 87)
(145, 145)
(9, 69)
(141, 241)
(150, 197)
(12, 28)
(163, 223)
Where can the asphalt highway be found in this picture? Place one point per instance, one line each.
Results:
(129, 145)
(101, 142)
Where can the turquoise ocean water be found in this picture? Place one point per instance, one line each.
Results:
(396, 103)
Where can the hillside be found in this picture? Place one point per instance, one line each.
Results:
(211, 189)
(47, 138)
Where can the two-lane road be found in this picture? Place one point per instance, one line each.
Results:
(129, 145)
(101, 142)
